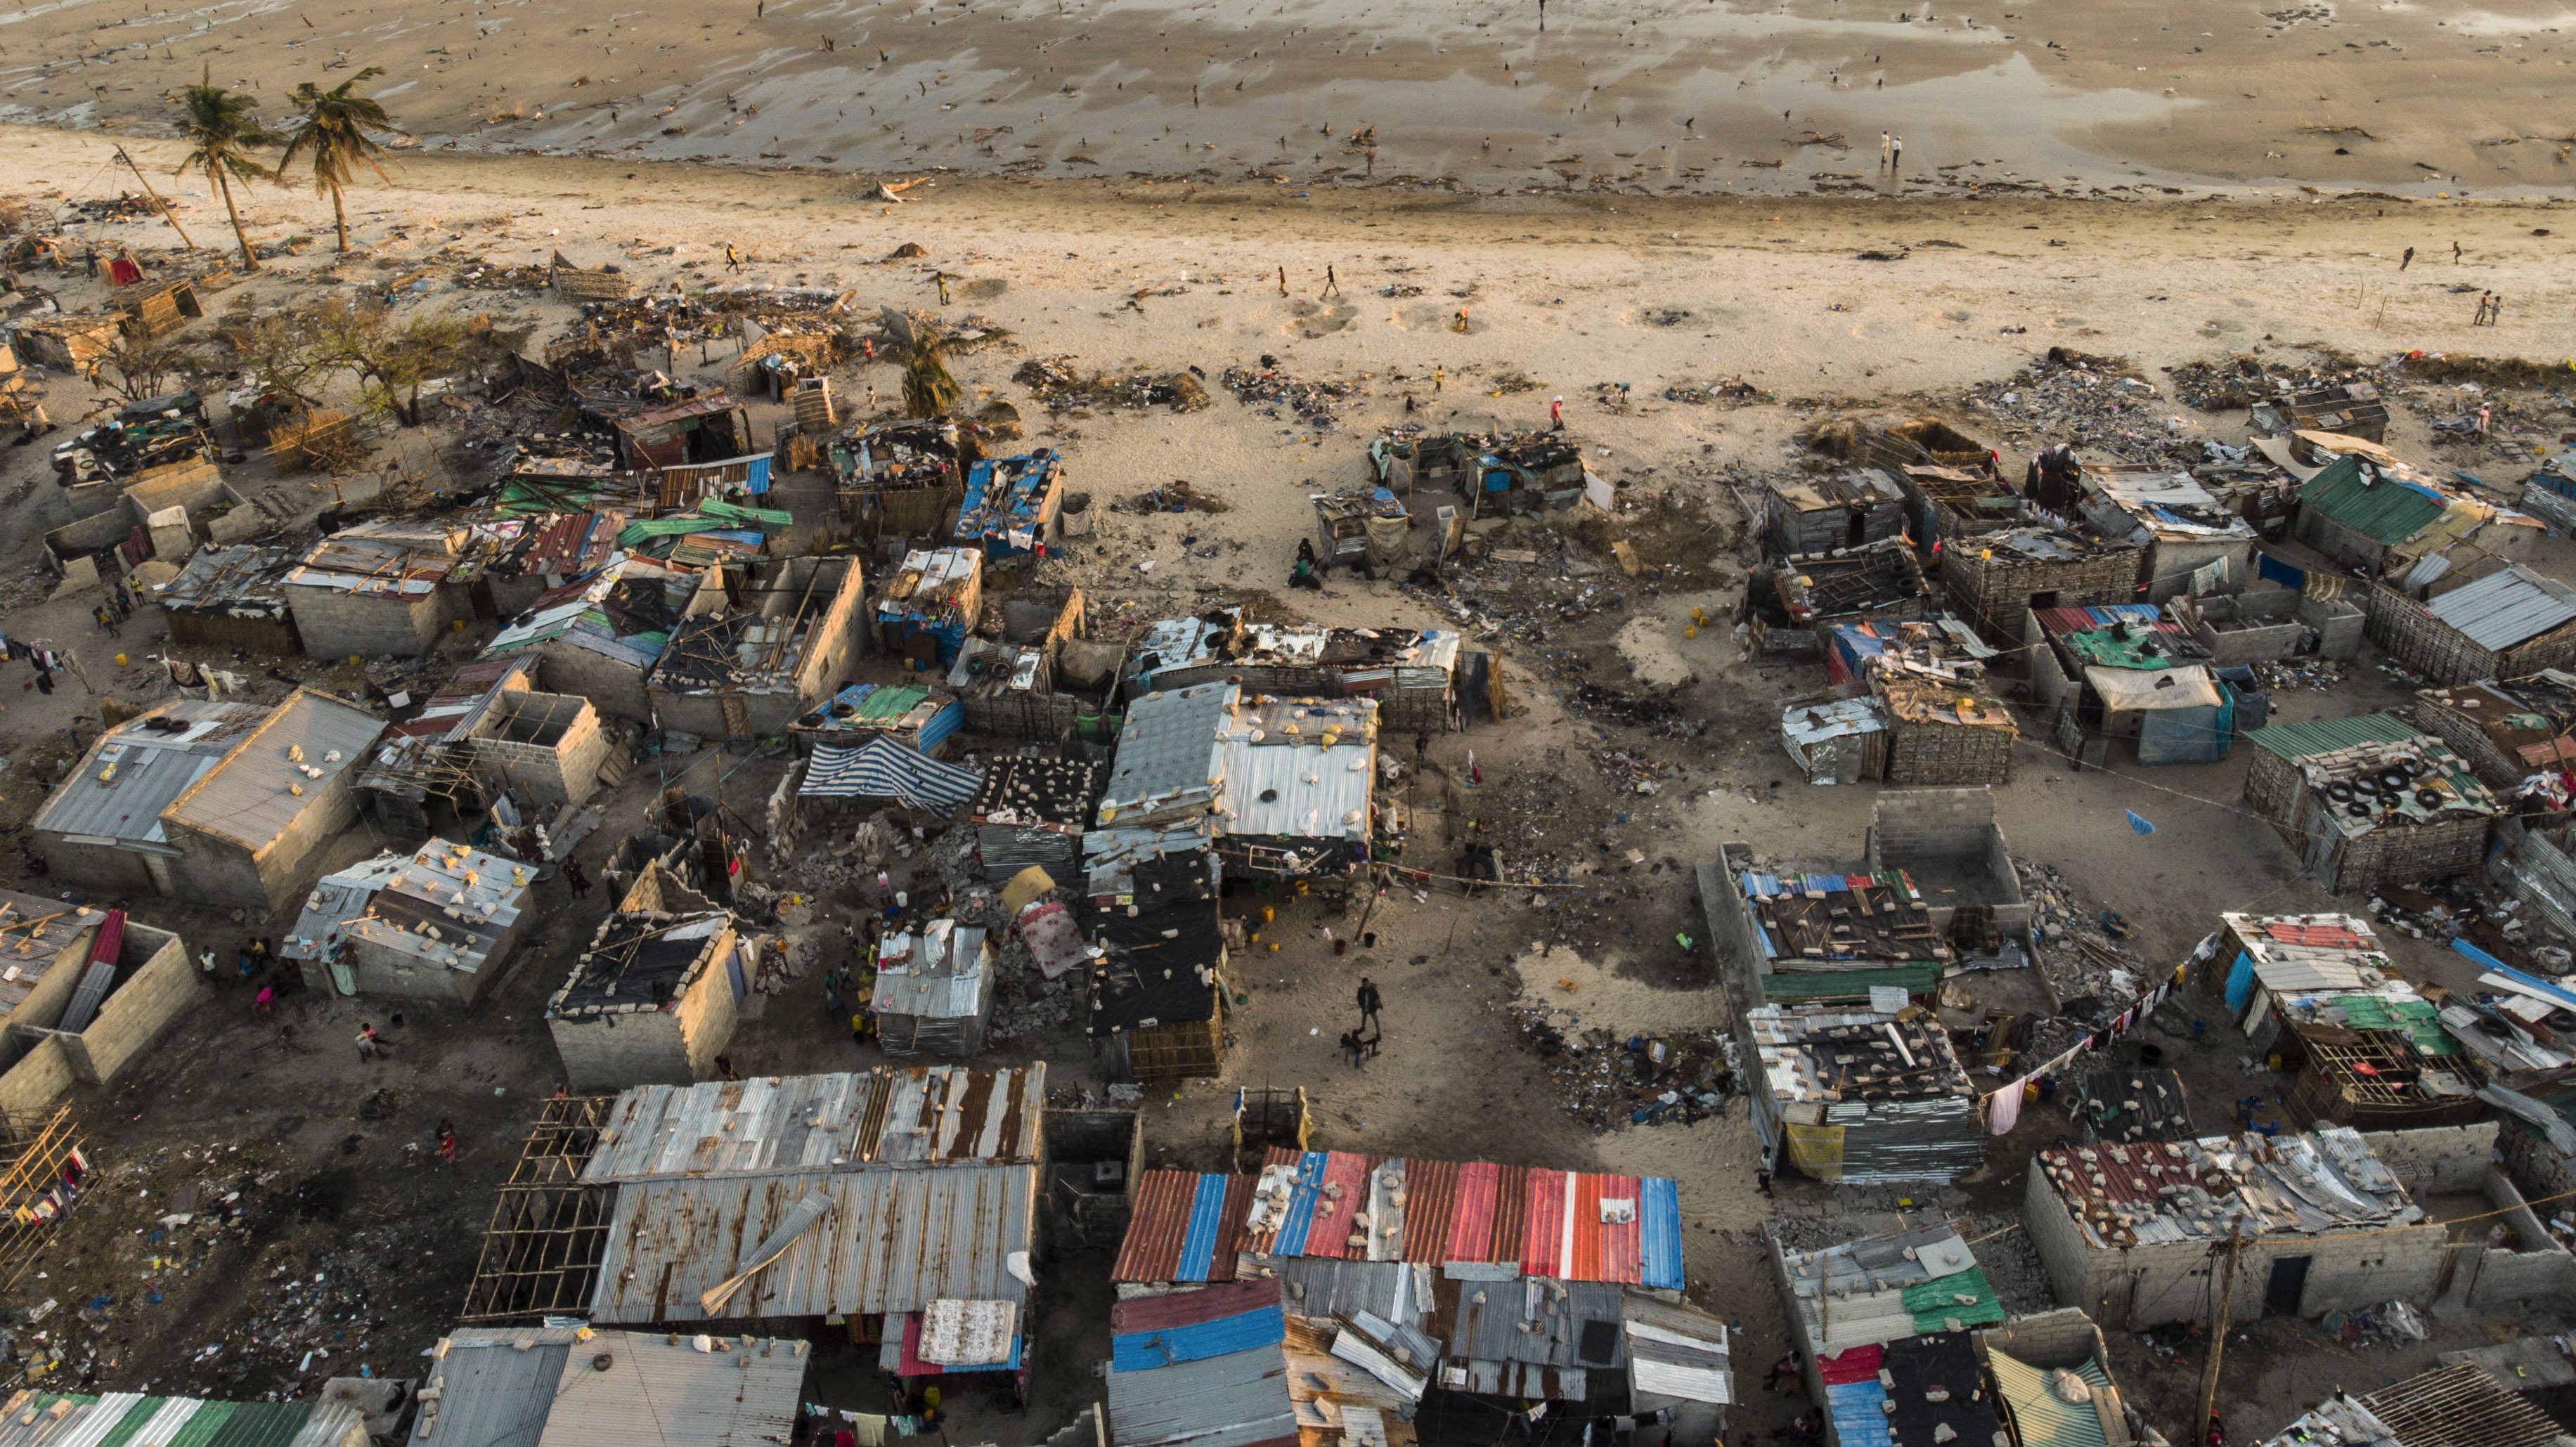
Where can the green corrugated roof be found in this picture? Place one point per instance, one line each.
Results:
(892, 701)
(2417, 1018)
(136, 1418)
(261, 1424)
(768, 519)
(2040, 1418)
(201, 1427)
(1802, 986)
(2386, 510)
(1936, 1303)
(2107, 649)
(2325, 735)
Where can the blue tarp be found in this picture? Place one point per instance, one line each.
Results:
(2240, 983)
(2267, 566)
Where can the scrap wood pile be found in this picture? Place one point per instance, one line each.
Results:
(1060, 387)
(1271, 389)
(1605, 1079)
(125, 206)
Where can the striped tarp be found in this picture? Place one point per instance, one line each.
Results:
(883, 769)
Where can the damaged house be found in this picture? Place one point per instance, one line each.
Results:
(601, 636)
(438, 924)
(1859, 1096)
(934, 989)
(1829, 513)
(488, 733)
(931, 601)
(1467, 1279)
(1010, 504)
(1022, 670)
(1031, 812)
(2317, 996)
(534, 556)
(906, 713)
(2460, 1404)
(1997, 578)
(903, 1200)
(1424, 680)
(232, 599)
(2508, 623)
(655, 996)
(748, 662)
(2519, 734)
(1928, 679)
(902, 479)
(2189, 541)
(1878, 580)
(380, 590)
(84, 992)
(520, 1386)
(2323, 1224)
(1529, 472)
(227, 804)
(2369, 801)
(1156, 996)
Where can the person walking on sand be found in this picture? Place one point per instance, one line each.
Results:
(2455, 253)
(733, 258)
(1895, 154)
(447, 1140)
(1556, 415)
(2486, 415)
(1283, 271)
(1885, 153)
(1351, 1046)
(1370, 1003)
(2485, 299)
(1332, 283)
(2407, 260)
(2495, 307)
(1437, 376)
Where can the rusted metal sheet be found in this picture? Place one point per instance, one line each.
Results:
(1158, 1217)
(923, 1116)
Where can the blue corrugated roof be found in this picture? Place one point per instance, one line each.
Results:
(1139, 1351)
(1659, 1221)
(1860, 1413)
(1301, 1206)
(1198, 1244)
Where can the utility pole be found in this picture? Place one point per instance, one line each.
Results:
(157, 203)
(2222, 1300)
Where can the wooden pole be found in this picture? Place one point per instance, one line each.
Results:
(2222, 1301)
(157, 203)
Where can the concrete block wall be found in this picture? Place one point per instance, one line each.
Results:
(708, 1012)
(161, 988)
(37, 1079)
(2437, 1160)
(1946, 824)
(611, 1052)
(2537, 1268)
(99, 871)
(337, 625)
(217, 871)
(565, 771)
(614, 688)
(2065, 1337)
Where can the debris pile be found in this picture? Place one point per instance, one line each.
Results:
(1605, 1079)
(2093, 403)
(1061, 388)
(2081, 949)
(1272, 389)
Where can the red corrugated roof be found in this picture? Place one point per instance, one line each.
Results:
(1583, 1206)
(1188, 1308)
(1471, 1218)
(1543, 1243)
(1623, 1244)
(1230, 1232)
(1335, 1209)
(1511, 1214)
(1158, 1216)
(1430, 1204)
(2321, 936)
(111, 938)
(1860, 1364)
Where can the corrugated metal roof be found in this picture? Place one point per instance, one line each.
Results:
(2039, 1417)
(2325, 735)
(944, 972)
(1189, 1326)
(398, 566)
(334, 901)
(495, 1386)
(252, 796)
(887, 1241)
(2505, 608)
(152, 764)
(880, 768)
(468, 898)
(1276, 785)
(619, 1389)
(918, 1116)
(1676, 1352)
(1171, 754)
(120, 1418)
(244, 581)
(2381, 507)
(1184, 1226)
(1240, 1400)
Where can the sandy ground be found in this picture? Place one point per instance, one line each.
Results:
(1572, 293)
(1648, 95)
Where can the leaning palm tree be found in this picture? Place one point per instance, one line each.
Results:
(928, 389)
(218, 123)
(335, 136)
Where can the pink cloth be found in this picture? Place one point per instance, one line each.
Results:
(2003, 1109)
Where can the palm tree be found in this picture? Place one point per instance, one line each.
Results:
(219, 124)
(928, 390)
(335, 136)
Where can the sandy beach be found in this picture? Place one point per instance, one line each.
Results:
(1642, 96)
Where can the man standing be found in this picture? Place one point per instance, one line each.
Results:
(1895, 154)
(1556, 414)
(1370, 1004)
(573, 876)
(1886, 149)
(2407, 260)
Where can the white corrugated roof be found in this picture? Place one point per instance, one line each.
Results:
(2505, 608)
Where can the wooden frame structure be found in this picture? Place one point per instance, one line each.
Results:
(32, 1166)
(542, 1251)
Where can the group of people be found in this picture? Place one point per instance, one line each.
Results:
(1361, 1042)
(2490, 306)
